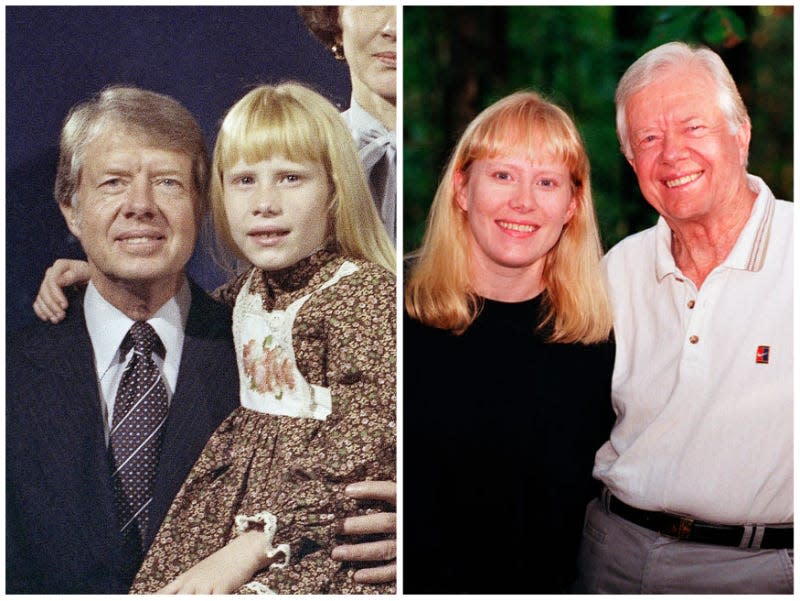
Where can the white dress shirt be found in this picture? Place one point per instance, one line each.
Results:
(108, 326)
(702, 382)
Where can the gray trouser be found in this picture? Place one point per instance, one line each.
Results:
(618, 556)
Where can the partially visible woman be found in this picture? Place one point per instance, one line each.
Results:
(507, 360)
(366, 37)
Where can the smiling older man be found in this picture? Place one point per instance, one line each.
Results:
(698, 468)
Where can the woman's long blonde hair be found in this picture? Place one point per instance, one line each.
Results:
(439, 292)
(295, 122)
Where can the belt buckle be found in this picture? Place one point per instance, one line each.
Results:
(680, 529)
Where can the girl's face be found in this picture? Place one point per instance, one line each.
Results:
(277, 210)
(369, 37)
(516, 210)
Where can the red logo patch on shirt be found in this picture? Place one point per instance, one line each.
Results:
(762, 354)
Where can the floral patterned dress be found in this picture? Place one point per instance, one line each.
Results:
(316, 345)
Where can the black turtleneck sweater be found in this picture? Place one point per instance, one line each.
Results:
(500, 432)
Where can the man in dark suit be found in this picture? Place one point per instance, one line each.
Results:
(131, 184)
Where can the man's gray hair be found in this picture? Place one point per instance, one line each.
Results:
(645, 70)
(161, 122)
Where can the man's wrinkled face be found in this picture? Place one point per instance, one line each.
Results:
(134, 211)
(688, 163)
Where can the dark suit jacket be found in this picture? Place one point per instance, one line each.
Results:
(62, 534)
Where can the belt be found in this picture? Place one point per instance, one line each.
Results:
(751, 536)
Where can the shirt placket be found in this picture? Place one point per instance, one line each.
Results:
(697, 348)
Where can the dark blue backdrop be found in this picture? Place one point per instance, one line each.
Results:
(206, 57)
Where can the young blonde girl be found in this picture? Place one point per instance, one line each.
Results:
(314, 329)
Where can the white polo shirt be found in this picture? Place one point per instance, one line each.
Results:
(702, 382)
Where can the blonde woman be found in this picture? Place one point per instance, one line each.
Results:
(507, 360)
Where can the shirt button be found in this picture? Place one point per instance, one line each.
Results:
(690, 304)
(693, 339)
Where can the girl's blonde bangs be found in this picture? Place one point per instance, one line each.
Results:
(267, 126)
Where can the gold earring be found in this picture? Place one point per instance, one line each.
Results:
(338, 52)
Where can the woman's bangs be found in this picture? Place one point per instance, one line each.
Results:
(524, 133)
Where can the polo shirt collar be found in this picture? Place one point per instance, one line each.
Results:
(751, 247)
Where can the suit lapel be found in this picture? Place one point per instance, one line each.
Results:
(76, 411)
(74, 457)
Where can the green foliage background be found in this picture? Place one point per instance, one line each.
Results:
(458, 60)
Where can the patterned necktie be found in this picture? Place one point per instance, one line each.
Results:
(140, 411)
